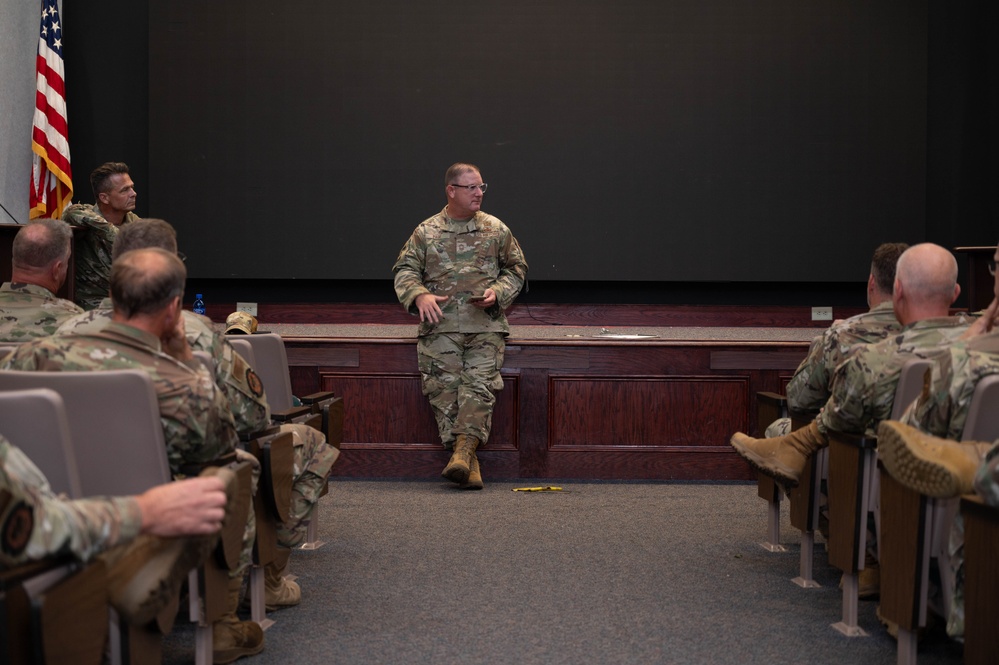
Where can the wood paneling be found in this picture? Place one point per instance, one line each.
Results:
(571, 408)
(611, 413)
(390, 411)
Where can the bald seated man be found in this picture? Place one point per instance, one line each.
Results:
(863, 387)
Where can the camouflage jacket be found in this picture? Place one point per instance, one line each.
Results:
(38, 524)
(28, 311)
(233, 375)
(197, 422)
(863, 388)
(93, 252)
(809, 388)
(461, 259)
(942, 408)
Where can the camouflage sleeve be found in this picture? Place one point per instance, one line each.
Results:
(931, 411)
(244, 390)
(808, 389)
(851, 403)
(37, 524)
(197, 422)
(408, 269)
(81, 214)
(513, 272)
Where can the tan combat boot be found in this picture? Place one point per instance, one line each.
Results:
(927, 464)
(474, 481)
(458, 467)
(783, 457)
(279, 592)
(145, 575)
(232, 638)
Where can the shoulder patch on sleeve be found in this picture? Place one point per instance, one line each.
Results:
(16, 531)
(253, 382)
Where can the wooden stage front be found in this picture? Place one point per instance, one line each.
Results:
(579, 403)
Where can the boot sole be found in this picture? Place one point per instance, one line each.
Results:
(456, 473)
(763, 465)
(914, 466)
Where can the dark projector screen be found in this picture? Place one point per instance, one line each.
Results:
(645, 140)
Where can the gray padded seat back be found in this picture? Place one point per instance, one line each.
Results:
(114, 422)
(243, 348)
(35, 421)
(270, 362)
(983, 413)
(910, 384)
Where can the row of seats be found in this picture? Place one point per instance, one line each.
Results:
(69, 424)
(912, 530)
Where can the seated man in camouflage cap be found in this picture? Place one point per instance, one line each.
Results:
(39, 258)
(243, 390)
(138, 536)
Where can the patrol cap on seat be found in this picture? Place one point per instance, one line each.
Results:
(240, 323)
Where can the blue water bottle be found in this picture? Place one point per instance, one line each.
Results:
(199, 305)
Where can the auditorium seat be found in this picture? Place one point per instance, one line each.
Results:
(95, 403)
(915, 532)
(35, 421)
(803, 501)
(320, 410)
(53, 611)
(854, 491)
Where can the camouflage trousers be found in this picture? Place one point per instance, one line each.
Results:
(250, 533)
(314, 459)
(461, 374)
(779, 427)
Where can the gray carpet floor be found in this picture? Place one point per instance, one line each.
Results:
(601, 572)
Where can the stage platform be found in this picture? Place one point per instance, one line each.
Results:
(586, 402)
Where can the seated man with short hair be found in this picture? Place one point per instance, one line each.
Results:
(29, 307)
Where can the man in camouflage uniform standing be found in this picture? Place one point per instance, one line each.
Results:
(863, 388)
(29, 307)
(314, 457)
(808, 390)
(136, 536)
(942, 465)
(146, 332)
(460, 270)
(115, 195)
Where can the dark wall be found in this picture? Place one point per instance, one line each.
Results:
(779, 157)
(107, 89)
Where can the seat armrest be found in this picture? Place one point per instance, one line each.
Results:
(291, 414)
(772, 398)
(317, 398)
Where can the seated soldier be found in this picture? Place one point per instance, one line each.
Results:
(39, 260)
(942, 465)
(115, 196)
(149, 542)
(314, 457)
(864, 386)
(809, 388)
(146, 332)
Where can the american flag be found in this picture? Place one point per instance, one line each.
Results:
(51, 178)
